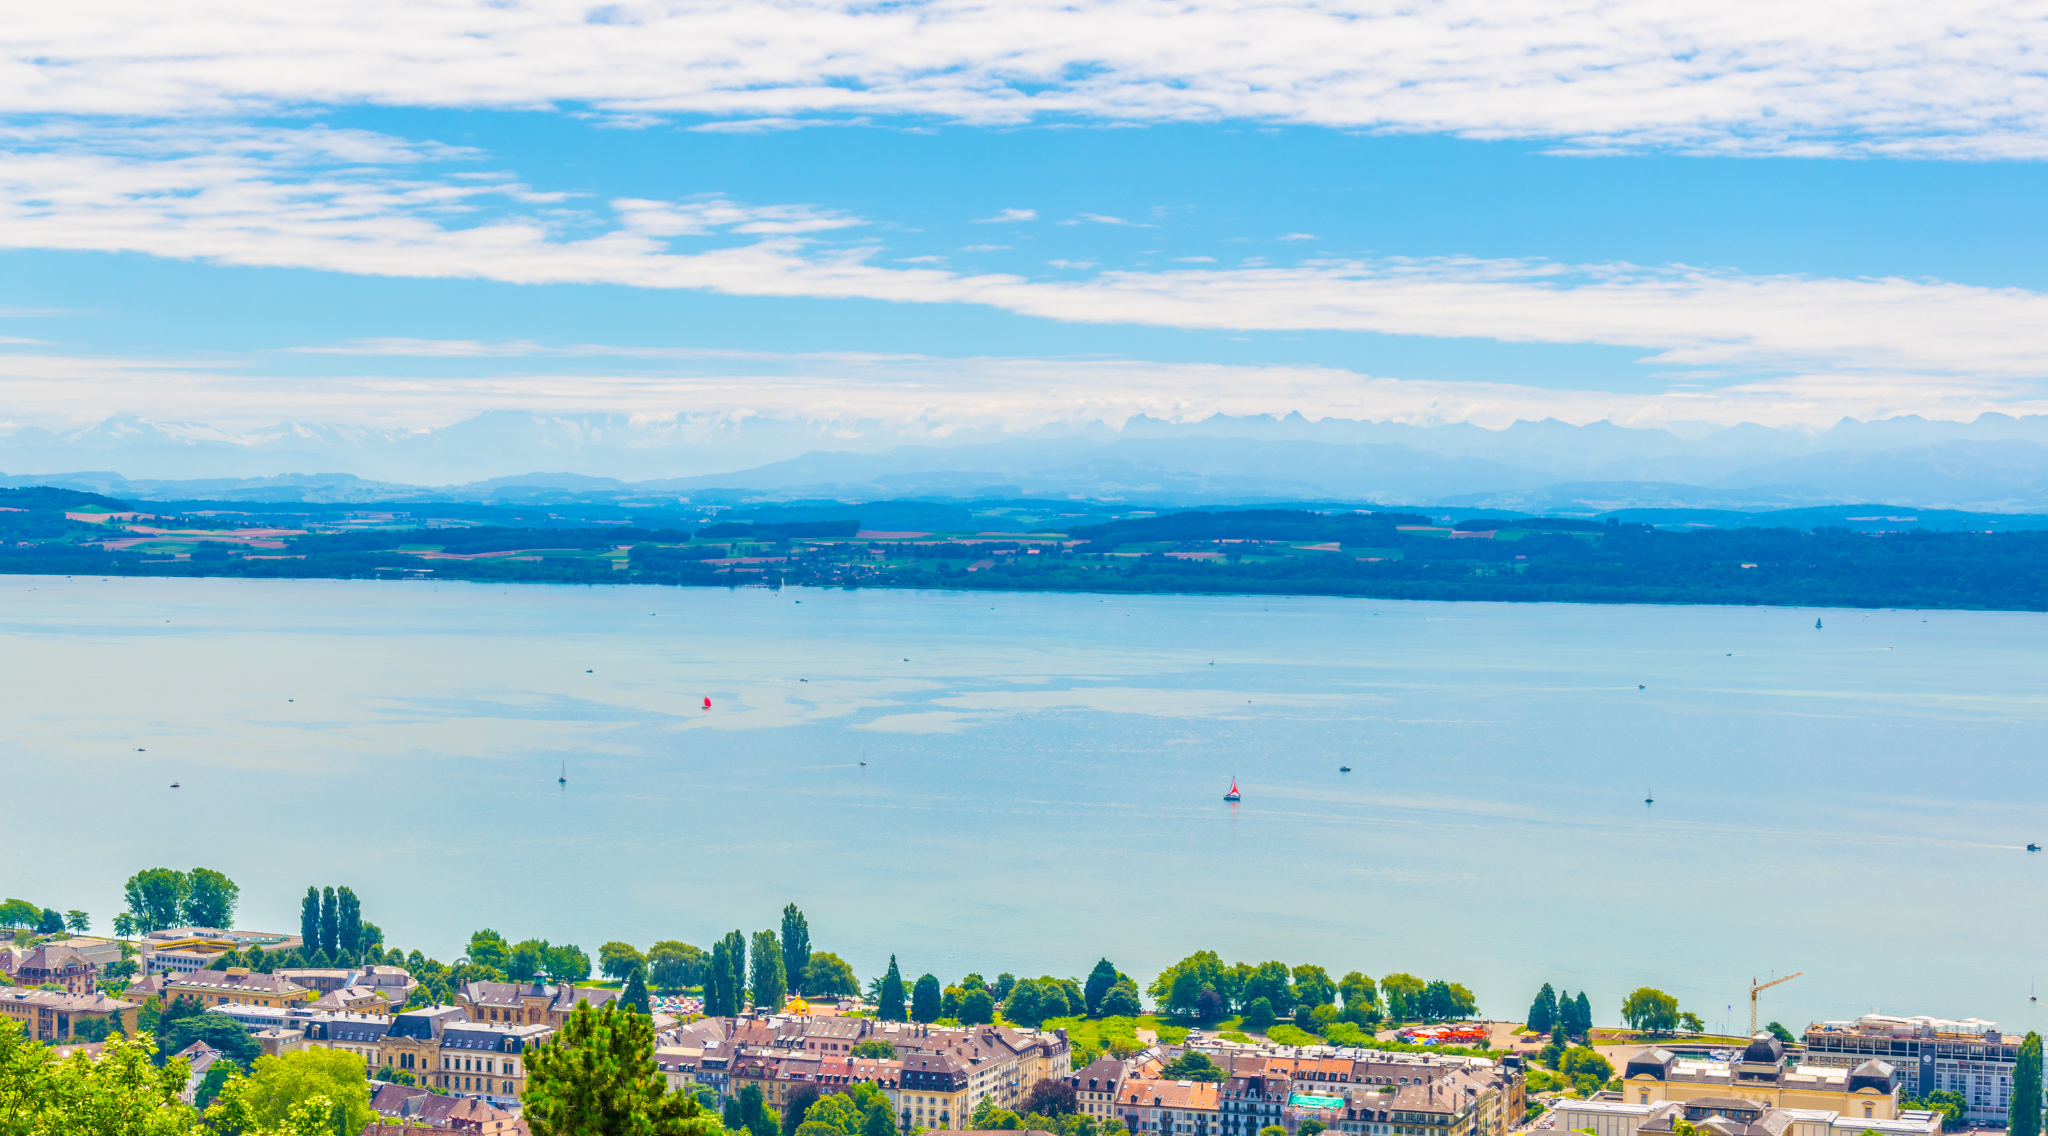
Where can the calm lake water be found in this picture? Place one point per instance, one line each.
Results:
(1044, 779)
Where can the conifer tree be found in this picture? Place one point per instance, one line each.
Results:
(330, 923)
(309, 921)
(1582, 1017)
(924, 1000)
(891, 1002)
(735, 971)
(349, 929)
(715, 1002)
(597, 1077)
(2024, 1116)
(636, 991)
(1543, 1012)
(796, 947)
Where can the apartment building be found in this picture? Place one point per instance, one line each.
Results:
(935, 1091)
(1969, 1056)
(235, 986)
(1170, 1108)
(1095, 1087)
(1869, 1091)
(54, 1015)
(1253, 1099)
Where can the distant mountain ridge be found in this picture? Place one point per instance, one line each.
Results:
(1994, 463)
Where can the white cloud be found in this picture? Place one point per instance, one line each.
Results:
(1007, 215)
(1195, 259)
(1101, 219)
(984, 248)
(1071, 263)
(1956, 79)
(310, 199)
(1299, 237)
(920, 260)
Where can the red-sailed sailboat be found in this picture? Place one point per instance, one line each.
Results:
(1233, 794)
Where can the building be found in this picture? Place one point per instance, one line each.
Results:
(1870, 1091)
(58, 965)
(934, 1093)
(236, 985)
(485, 1060)
(1253, 1099)
(408, 1107)
(360, 1034)
(182, 950)
(353, 1000)
(1170, 1108)
(1932, 1055)
(1095, 1087)
(54, 1015)
(527, 1003)
(1728, 1116)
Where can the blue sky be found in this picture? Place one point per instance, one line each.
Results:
(1625, 211)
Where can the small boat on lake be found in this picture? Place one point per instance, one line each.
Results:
(564, 778)
(707, 702)
(1233, 794)
(1343, 769)
(2030, 847)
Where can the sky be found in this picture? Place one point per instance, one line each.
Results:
(948, 214)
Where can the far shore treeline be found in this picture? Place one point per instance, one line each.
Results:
(1385, 555)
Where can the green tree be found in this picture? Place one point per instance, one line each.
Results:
(795, 1105)
(567, 963)
(50, 921)
(617, 960)
(890, 1004)
(1403, 992)
(924, 1000)
(880, 1120)
(2025, 1110)
(796, 948)
(1781, 1033)
(1543, 1011)
(1191, 1066)
(1273, 982)
(278, 1083)
(1273, 1130)
(330, 922)
(717, 998)
(977, 1007)
(1582, 1016)
(1100, 981)
(1188, 977)
(525, 960)
(1259, 1015)
(125, 925)
(1357, 991)
(488, 948)
(1650, 1009)
(309, 920)
(754, 1116)
(121, 1094)
(78, 922)
(218, 1031)
(673, 965)
(1122, 1001)
(828, 974)
(1312, 986)
(597, 1077)
(768, 984)
(736, 971)
(156, 896)
(1691, 1022)
(635, 996)
(1579, 1061)
(873, 1049)
(349, 920)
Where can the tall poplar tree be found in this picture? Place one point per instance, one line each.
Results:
(2024, 1116)
(891, 1007)
(796, 947)
(1582, 1017)
(768, 984)
(715, 1004)
(330, 923)
(309, 921)
(350, 928)
(736, 971)
(1543, 1011)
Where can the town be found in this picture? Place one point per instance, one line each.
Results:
(184, 1024)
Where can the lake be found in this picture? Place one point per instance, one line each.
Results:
(1044, 776)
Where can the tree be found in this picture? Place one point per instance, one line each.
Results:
(890, 1005)
(1273, 982)
(1781, 1033)
(156, 896)
(20, 913)
(524, 961)
(488, 948)
(736, 971)
(717, 999)
(1259, 1015)
(309, 919)
(617, 960)
(210, 899)
(1543, 1011)
(50, 922)
(977, 1008)
(78, 922)
(1122, 1001)
(1404, 995)
(799, 1102)
(330, 921)
(351, 920)
(121, 1094)
(597, 1077)
(673, 965)
(873, 1049)
(1051, 1096)
(218, 1031)
(828, 974)
(567, 963)
(1312, 986)
(1691, 1022)
(1209, 1006)
(635, 996)
(1650, 1009)
(924, 1000)
(1273, 1130)
(1191, 1066)
(1582, 1016)
(1310, 1128)
(1357, 991)
(278, 1083)
(754, 1117)
(125, 926)
(796, 948)
(880, 1121)
(769, 985)
(2025, 1110)
(1100, 981)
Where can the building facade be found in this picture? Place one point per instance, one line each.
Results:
(1969, 1057)
(1870, 1091)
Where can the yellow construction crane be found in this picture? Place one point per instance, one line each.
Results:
(1756, 988)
